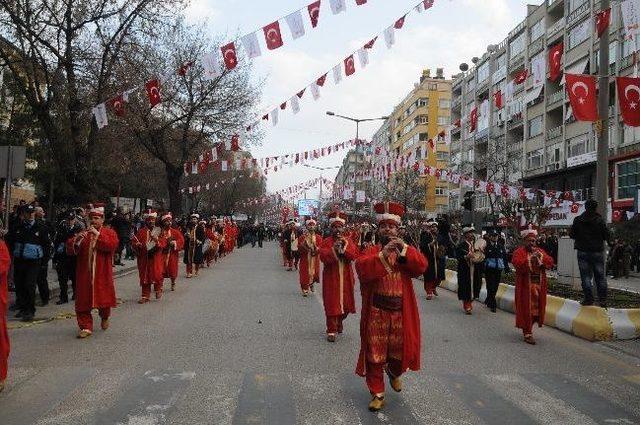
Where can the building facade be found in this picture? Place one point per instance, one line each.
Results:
(534, 140)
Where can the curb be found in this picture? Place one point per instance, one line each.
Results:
(591, 323)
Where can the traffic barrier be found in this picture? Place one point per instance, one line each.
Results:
(591, 323)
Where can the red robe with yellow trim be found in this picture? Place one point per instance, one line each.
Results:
(309, 264)
(523, 296)
(150, 265)
(371, 269)
(5, 261)
(337, 278)
(95, 287)
(171, 252)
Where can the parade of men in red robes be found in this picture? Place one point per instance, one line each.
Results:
(389, 322)
(531, 263)
(174, 243)
(308, 245)
(5, 262)
(337, 252)
(94, 249)
(149, 246)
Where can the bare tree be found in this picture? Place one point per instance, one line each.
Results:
(405, 187)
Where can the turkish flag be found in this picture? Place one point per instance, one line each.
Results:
(349, 66)
(320, 81)
(521, 77)
(361, 2)
(182, 71)
(427, 4)
(153, 91)
(371, 42)
(229, 55)
(272, 35)
(314, 13)
(300, 93)
(265, 117)
(473, 121)
(602, 21)
(629, 100)
(582, 96)
(555, 57)
(117, 105)
(283, 105)
(399, 23)
(497, 99)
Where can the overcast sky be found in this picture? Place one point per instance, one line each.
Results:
(451, 32)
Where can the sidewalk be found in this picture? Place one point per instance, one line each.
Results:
(632, 284)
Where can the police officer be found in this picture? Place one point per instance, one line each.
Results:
(64, 262)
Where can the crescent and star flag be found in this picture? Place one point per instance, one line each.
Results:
(314, 13)
(399, 23)
(361, 2)
(117, 105)
(497, 99)
(371, 42)
(521, 77)
(153, 91)
(283, 105)
(301, 93)
(272, 35)
(427, 4)
(602, 21)
(473, 121)
(251, 45)
(320, 81)
(229, 55)
(582, 96)
(349, 66)
(294, 21)
(629, 100)
(555, 59)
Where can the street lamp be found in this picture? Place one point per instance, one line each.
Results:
(357, 121)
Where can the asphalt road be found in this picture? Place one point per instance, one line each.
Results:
(239, 345)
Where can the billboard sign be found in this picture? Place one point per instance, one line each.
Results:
(308, 207)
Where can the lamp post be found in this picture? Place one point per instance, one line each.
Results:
(357, 121)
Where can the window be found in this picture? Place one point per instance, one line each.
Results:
(628, 178)
(501, 61)
(579, 33)
(631, 135)
(456, 158)
(418, 153)
(516, 46)
(442, 156)
(407, 144)
(424, 137)
(443, 120)
(534, 159)
(423, 119)
(574, 4)
(423, 101)
(441, 191)
(580, 145)
(483, 72)
(444, 103)
(432, 87)
(537, 30)
(628, 47)
(535, 126)
(554, 153)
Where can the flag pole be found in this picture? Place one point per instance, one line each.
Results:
(602, 165)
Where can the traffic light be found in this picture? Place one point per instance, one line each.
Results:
(467, 204)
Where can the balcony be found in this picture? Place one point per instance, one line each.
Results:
(551, 4)
(579, 13)
(499, 75)
(517, 60)
(554, 166)
(555, 28)
(555, 97)
(554, 133)
(536, 46)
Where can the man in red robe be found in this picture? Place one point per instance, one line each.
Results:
(95, 288)
(308, 245)
(389, 323)
(337, 252)
(148, 246)
(531, 264)
(171, 251)
(5, 261)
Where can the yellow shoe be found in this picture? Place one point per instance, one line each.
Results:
(331, 337)
(84, 333)
(305, 293)
(377, 403)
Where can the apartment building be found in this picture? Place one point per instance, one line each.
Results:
(420, 116)
(535, 140)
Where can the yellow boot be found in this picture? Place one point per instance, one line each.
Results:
(377, 403)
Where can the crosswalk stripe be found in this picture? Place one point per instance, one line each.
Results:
(545, 408)
(50, 387)
(265, 399)
(320, 399)
(149, 400)
(591, 404)
(484, 402)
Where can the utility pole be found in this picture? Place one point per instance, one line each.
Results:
(602, 164)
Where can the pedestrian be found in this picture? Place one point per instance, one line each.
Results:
(65, 262)
(469, 274)
(260, 234)
(5, 346)
(432, 247)
(148, 245)
(95, 286)
(337, 252)
(43, 281)
(122, 226)
(390, 322)
(496, 261)
(194, 237)
(636, 255)
(531, 263)
(308, 245)
(29, 243)
(171, 251)
(290, 240)
(590, 233)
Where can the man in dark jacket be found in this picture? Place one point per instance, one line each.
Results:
(433, 248)
(65, 263)
(122, 225)
(43, 280)
(496, 261)
(590, 233)
(29, 244)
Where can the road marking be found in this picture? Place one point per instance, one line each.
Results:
(265, 399)
(591, 404)
(484, 402)
(149, 401)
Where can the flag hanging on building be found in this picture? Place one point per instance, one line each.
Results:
(582, 96)
(629, 100)
(602, 21)
(555, 59)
